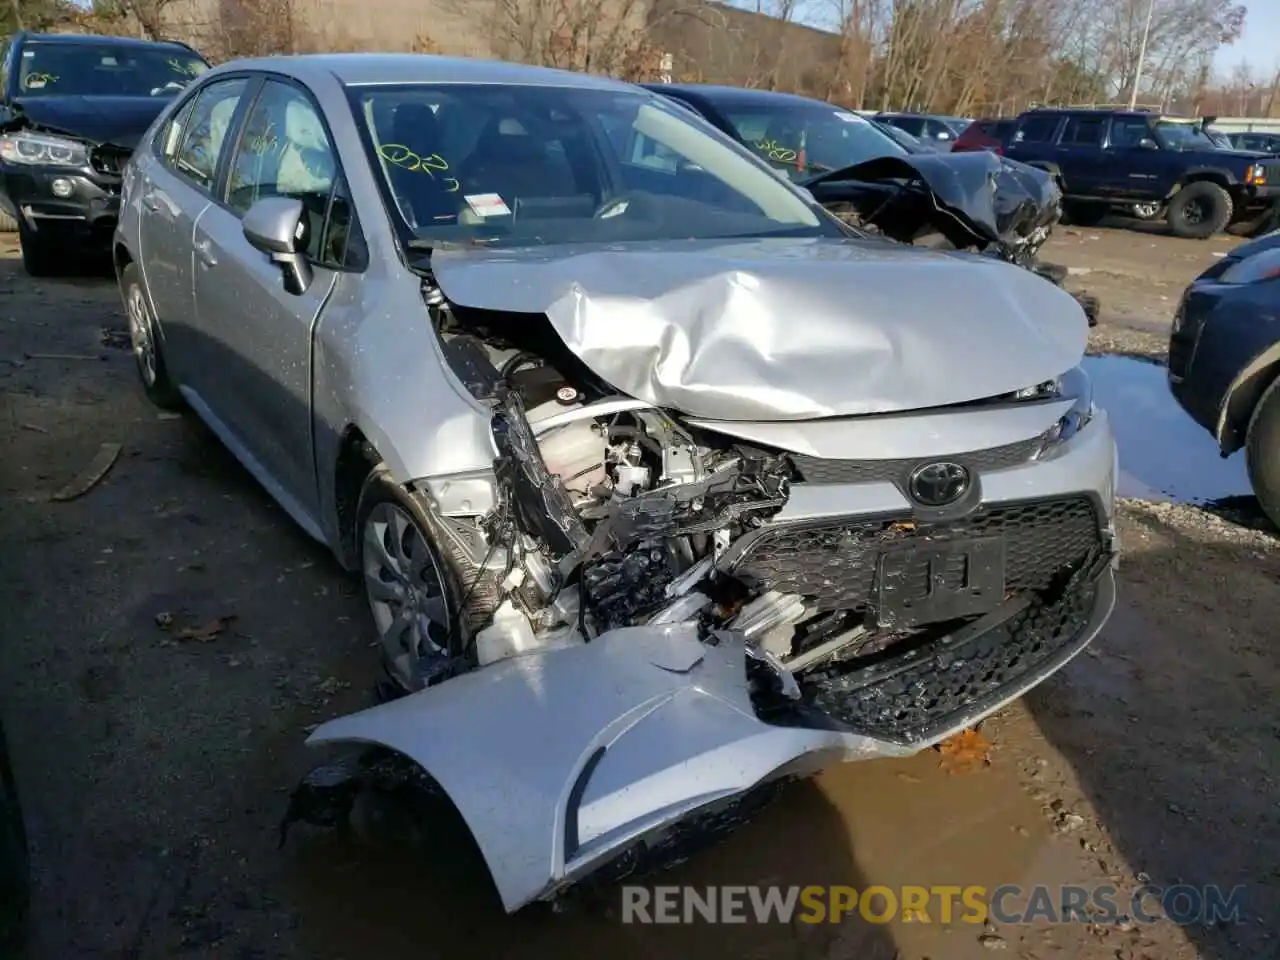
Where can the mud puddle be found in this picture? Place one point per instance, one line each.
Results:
(1164, 454)
(885, 823)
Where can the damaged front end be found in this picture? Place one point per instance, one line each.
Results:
(656, 630)
(974, 201)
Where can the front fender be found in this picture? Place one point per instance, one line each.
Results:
(561, 759)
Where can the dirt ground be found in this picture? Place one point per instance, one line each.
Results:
(155, 770)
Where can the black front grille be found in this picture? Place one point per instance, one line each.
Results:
(833, 562)
(931, 689)
(109, 161)
(818, 470)
(1273, 173)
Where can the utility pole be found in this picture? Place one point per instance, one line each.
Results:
(1142, 54)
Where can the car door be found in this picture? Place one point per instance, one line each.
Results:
(175, 184)
(1134, 166)
(259, 334)
(1035, 139)
(1080, 155)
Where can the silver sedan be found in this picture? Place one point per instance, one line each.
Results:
(664, 484)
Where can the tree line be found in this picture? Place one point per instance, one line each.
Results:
(963, 57)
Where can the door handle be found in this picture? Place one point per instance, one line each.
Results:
(151, 203)
(204, 250)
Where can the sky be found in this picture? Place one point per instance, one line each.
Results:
(1260, 44)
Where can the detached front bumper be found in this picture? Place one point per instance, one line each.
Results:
(564, 761)
(61, 204)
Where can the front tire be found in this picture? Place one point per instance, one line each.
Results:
(1199, 211)
(144, 338)
(1262, 451)
(412, 596)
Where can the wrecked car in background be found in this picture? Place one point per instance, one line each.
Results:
(71, 110)
(912, 194)
(665, 486)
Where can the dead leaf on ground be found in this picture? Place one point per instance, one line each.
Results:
(164, 619)
(208, 631)
(102, 461)
(964, 752)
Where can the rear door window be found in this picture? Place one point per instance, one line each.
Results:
(205, 132)
(1038, 129)
(1084, 131)
(913, 125)
(1129, 131)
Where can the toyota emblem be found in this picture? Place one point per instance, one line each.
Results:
(938, 484)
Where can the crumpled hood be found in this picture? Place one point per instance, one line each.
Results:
(784, 329)
(116, 120)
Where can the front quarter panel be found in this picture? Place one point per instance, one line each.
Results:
(377, 363)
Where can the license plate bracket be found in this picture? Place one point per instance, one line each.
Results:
(922, 583)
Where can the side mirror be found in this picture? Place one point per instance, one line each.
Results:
(1146, 143)
(277, 226)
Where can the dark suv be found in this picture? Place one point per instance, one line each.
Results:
(72, 107)
(1106, 158)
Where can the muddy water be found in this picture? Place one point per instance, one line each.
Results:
(1164, 454)
(890, 822)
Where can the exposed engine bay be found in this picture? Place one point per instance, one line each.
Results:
(612, 513)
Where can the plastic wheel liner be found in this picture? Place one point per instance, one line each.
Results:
(563, 760)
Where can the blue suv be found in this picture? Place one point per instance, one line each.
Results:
(1120, 158)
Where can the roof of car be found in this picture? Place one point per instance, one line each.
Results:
(99, 39)
(355, 69)
(741, 95)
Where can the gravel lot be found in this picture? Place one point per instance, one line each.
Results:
(155, 770)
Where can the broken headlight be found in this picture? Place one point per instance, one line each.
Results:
(37, 149)
(1073, 385)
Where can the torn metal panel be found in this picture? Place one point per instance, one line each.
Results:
(573, 754)
(784, 329)
(975, 199)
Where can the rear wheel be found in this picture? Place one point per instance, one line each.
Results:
(144, 338)
(1262, 451)
(1199, 211)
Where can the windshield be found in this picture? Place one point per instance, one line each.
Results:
(540, 165)
(1183, 136)
(105, 69)
(803, 140)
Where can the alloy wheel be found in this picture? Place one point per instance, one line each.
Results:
(405, 587)
(141, 335)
